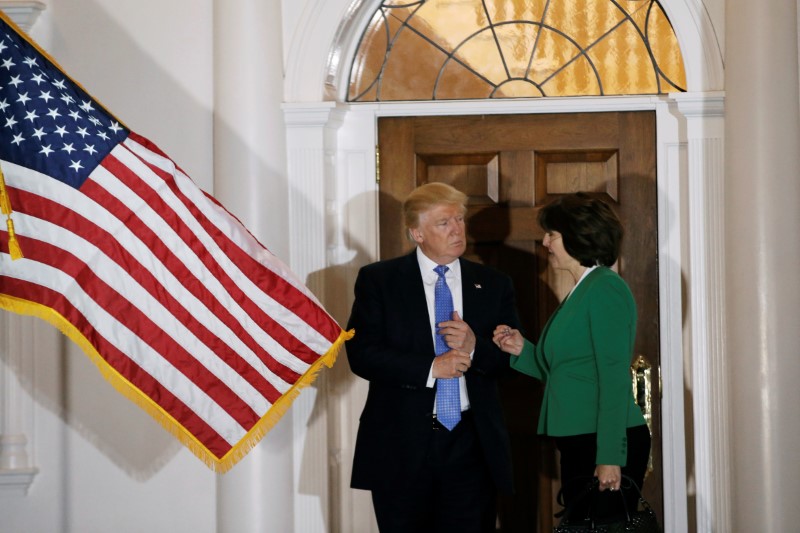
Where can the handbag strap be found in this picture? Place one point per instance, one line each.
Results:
(589, 483)
(624, 499)
(632, 485)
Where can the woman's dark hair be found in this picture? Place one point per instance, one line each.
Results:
(589, 228)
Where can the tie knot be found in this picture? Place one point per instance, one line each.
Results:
(441, 269)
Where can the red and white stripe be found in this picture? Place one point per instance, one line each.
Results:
(171, 290)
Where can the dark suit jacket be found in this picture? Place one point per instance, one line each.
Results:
(393, 350)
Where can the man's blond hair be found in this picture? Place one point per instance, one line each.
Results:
(428, 196)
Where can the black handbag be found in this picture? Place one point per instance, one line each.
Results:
(639, 520)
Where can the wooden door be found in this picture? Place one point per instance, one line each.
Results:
(509, 166)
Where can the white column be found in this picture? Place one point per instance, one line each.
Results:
(250, 180)
(249, 144)
(16, 406)
(705, 125)
(763, 254)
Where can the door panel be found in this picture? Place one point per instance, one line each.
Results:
(509, 166)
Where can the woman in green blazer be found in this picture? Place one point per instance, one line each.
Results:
(584, 353)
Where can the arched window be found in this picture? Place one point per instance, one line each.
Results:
(467, 49)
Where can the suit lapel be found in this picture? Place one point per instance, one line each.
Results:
(414, 304)
(545, 331)
(566, 309)
(471, 288)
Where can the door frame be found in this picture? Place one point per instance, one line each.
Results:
(331, 176)
(690, 167)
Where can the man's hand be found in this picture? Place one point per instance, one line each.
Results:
(457, 334)
(451, 364)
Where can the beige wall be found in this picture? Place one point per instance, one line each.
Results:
(150, 62)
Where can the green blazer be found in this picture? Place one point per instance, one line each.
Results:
(583, 356)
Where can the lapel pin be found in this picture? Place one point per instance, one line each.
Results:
(477, 285)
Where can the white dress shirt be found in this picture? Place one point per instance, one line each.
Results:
(453, 278)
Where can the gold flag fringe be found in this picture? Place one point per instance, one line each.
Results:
(130, 391)
(280, 407)
(5, 208)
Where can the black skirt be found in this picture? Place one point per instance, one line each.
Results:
(578, 454)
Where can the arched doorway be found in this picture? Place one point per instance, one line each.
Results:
(339, 141)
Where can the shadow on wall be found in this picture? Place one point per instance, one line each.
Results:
(66, 382)
(339, 391)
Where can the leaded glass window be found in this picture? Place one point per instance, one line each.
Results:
(467, 49)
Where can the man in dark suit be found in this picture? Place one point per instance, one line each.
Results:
(424, 476)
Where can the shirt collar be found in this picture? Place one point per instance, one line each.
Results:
(426, 267)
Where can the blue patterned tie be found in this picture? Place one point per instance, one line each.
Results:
(448, 400)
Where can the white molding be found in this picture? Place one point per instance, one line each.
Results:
(671, 154)
(22, 12)
(315, 45)
(323, 115)
(16, 406)
(706, 208)
(702, 52)
(17, 482)
(16, 475)
(311, 148)
(702, 106)
(357, 205)
(582, 104)
(345, 44)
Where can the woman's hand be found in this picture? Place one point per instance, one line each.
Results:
(609, 476)
(508, 339)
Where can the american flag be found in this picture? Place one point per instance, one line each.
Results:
(181, 308)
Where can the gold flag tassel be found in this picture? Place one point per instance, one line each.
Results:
(5, 207)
